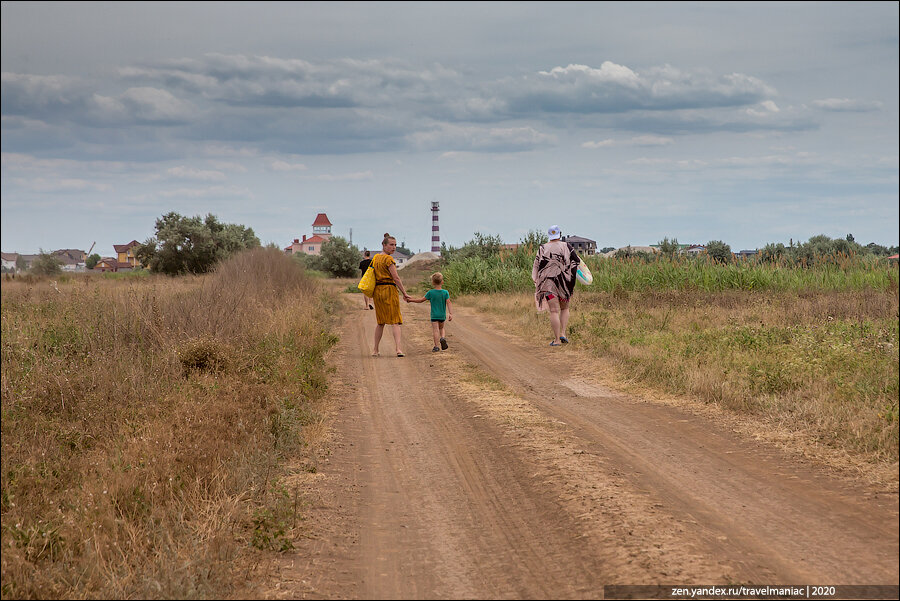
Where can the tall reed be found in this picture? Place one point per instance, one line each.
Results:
(510, 271)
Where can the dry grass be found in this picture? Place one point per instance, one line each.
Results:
(823, 364)
(144, 425)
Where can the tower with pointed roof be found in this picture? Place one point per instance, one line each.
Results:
(321, 226)
(312, 245)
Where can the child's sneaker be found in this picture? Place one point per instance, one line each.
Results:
(444, 344)
(435, 350)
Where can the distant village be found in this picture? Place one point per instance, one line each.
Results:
(75, 260)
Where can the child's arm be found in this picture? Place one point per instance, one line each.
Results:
(449, 310)
(416, 300)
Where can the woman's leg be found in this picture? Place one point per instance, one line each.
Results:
(379, 330)
(563, 317)
(554, 318)
(436, 332)
(396, 329)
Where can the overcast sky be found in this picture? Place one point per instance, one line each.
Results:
(624, 122)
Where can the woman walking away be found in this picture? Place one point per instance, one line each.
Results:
(554, 281)
(387, 304)
(363, 266)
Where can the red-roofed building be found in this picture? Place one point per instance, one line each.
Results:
(312, 245)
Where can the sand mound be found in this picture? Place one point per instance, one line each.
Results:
(424, 258)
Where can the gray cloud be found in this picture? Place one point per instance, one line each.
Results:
(267, 81)
(618, 89)
(346, 105)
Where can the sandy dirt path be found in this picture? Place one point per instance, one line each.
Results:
(499, 470)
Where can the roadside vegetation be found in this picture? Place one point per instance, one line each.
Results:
(145, 424)
(804, 339)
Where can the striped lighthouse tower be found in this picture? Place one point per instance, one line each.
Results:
(435, 230)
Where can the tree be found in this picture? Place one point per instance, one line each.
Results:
(668, 247)
(718, 251)
(192, 244)
(773, 252)
(46, 264)
(533, 240)
(336, 257)
(92, 261)
(482, 246)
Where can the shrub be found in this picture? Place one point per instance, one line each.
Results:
(46, 264)
(337, 258)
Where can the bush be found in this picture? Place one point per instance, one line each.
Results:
(718, 251)
(337, 258)
(46, 264)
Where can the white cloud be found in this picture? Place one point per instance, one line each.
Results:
(614, 88)
(183, 172)
(599, 144)
(228, 166)
(608, 72)
(284, 166)
(62, 185)
(851, 105)
(481, 139)
(210, 192)
(224, 150)
(346, 177)
(647, 140)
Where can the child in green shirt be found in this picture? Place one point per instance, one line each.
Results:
(441, 310)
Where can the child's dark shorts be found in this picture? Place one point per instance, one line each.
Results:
(437, 320)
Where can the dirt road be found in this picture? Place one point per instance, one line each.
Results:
(496, 469)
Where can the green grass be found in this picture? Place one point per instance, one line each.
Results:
(510, 271)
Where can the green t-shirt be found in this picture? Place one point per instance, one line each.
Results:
(438, 300)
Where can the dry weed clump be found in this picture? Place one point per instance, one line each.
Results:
(823, 363)
(144, 425)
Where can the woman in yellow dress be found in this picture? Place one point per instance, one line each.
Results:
(387, 303)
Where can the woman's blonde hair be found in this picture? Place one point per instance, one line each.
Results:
(387, 238)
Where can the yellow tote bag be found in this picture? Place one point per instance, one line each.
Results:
(367, 282)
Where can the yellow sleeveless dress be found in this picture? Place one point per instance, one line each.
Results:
(387, 297)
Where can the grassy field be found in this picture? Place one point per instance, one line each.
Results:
(821, 363)
(145, 422)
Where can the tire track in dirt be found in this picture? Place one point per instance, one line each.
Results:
(498, 470)
(749, 505)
